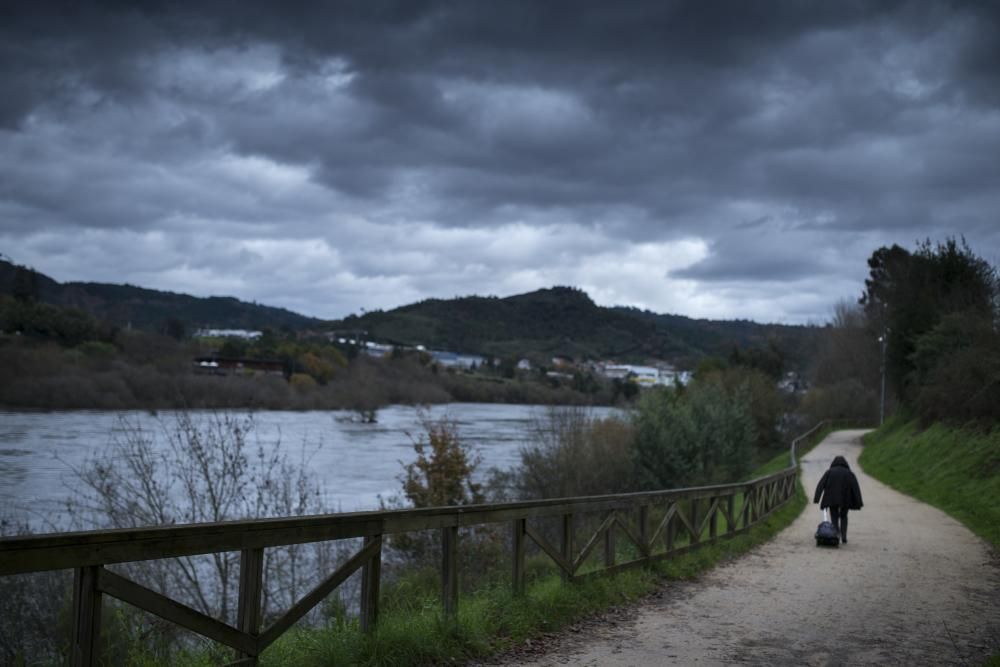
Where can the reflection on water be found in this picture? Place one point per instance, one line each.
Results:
(355, 462)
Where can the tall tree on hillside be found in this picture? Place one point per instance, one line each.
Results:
(25, 287)
(846, 375)
(908, 294)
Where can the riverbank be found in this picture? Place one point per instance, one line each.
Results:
(159, 375)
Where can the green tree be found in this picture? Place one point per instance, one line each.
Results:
(956, 374)
(25, 287)
(174, 328)
(233, 348)
(907, 294)
(704, 435)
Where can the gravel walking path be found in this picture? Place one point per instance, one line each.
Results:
(912, 587)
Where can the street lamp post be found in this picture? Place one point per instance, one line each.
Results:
(883, 341)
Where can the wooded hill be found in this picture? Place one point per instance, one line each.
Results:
(149, 309)
(538, 325)
(565, 321)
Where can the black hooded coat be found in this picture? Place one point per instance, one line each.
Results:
(839, 487)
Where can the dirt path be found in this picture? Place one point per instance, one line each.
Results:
(911, 587)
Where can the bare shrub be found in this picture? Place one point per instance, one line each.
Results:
(34, 611)
(443, 474)
(574, 454)
(198, 469)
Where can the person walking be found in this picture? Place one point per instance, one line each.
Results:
(840, 492)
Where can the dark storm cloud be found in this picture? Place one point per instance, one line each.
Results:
(779, 142)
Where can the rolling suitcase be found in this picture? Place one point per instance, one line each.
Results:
(826, 534)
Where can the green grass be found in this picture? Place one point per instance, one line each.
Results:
(954, 469)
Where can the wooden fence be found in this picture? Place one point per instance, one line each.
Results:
(685, 520)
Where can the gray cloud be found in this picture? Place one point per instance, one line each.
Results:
(328, 157)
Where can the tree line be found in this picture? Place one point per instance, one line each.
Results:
(925, 329)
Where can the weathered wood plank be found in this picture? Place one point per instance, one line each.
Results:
(68, 550)
(449, 571)
(592, 542)
(317, 594)
(679, 516)
(544, 545)
(644, 529)
(727, 512)
(695, 521)
(713, 513)
(85, 647)
(708, 519)
(371, 575)
(566, 539)
(609, 541)
(177, 613)
(664, 522)
(630, 534)
(251, 586)
(519, 531)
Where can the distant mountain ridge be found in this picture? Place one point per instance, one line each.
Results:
(150, 309)
(565, 321)
(562, 321)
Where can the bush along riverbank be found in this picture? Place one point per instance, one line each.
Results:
(953, 468)
(413, 629)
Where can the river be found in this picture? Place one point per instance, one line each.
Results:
(355, 462)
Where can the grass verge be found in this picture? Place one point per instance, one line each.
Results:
(954, 469)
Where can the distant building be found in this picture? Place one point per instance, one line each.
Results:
(644, 376)
(560, 361)
(238, 366)
(377, 350)
(456, 360)
(524, 365)
(792, 383)
(228, 333)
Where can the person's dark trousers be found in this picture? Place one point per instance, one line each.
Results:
(838, 515)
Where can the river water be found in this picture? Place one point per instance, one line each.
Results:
(355, 462)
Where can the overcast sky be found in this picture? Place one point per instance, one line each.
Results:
(723, 160)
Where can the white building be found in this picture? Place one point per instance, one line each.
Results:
(456, 360)
(645, 376)
(228, 333)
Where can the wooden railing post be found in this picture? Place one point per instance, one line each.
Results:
(644, 530)
(518, 539)
(371, 573)
(693, 516)
(730, 509)
(609, 544)
(86, 617)
(248, 610)
(671, 531)
(713, 521)
(566, 544)
(449, 570)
